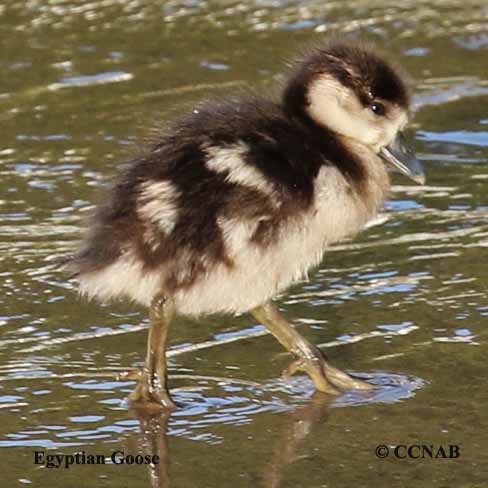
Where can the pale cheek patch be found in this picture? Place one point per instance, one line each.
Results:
(231, 160)
(157, 204)
(326, 99)
(335, 106)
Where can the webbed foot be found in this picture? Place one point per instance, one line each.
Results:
(325, 377)
(148, 394)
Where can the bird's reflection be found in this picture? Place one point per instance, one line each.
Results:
(153, 440)
(298, 426)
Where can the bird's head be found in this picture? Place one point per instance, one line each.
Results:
(349, 89)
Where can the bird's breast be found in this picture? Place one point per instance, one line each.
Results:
(259, 272)
(341, 208)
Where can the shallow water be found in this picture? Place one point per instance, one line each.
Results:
(404, 305)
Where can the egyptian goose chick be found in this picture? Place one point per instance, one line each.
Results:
(237, 200)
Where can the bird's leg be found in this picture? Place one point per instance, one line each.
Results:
(310, 358)
(151, 388)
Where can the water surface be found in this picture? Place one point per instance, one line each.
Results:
(404, 305)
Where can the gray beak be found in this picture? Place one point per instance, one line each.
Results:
(402, 157)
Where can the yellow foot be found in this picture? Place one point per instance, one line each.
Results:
(325, 377)
(344, 381)
(146, 396)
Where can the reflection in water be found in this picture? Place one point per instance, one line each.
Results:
(408, 296)
(153, 440)
(302, 418)
(298, 426)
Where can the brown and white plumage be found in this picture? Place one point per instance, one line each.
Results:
(239, 199)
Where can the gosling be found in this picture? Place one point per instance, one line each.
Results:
(238, 199)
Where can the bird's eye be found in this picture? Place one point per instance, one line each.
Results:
(377, 108)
